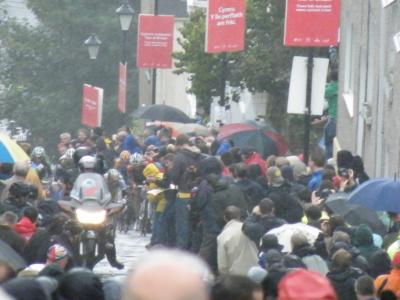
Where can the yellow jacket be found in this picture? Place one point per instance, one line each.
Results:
(152, 171)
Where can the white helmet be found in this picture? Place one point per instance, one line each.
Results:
(38, 152)
(136, 159)
(88, 162)
(113, 174)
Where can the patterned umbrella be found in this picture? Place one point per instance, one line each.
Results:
(261, 136)
(10, 151)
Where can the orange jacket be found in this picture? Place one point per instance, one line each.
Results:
(392, 284)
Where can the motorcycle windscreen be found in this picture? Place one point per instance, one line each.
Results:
(91, 186)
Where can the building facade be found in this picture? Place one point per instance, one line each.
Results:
(369, 88)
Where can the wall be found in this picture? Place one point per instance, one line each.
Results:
(171, 88)
(368, 76)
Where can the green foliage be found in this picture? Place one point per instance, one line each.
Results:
(205, 69)
(43, 67)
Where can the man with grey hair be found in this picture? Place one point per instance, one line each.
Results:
(21, 169)
(65, 138)
(168, 275)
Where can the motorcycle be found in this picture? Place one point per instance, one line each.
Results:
(92, 207)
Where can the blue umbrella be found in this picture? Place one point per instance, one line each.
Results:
(378, 195)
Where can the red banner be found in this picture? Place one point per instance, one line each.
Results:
(122, 88)
(226, 25)
(312, 23)
(155, 41)
(92, 106)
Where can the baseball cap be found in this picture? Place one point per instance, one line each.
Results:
(56, 253)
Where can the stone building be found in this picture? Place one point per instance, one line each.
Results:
(369, 88)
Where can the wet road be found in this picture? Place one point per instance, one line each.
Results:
(130, 247)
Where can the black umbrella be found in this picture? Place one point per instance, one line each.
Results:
(161, 112)
(10, 256)
(355, 214)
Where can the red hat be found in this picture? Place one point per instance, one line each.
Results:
(396, 260)
(56, 253)
(305, 285)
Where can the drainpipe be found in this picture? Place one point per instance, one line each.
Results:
(379, 161)
(364, 74)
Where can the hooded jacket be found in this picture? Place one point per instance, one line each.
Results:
(287, 206)
(343, 282)
(364, 241)
(253, 192)
(225, 195)
(25, 228)
(379, 263)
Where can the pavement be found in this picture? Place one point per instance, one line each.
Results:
(130, 247)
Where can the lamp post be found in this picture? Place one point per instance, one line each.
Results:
(125, 13)
(93, 44)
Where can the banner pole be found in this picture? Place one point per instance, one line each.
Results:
(307, 114)
(154, 77)
(224, 67)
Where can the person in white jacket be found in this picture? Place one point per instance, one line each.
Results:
(236, 252)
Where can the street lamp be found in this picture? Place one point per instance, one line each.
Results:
(125, 13)
(93, 43)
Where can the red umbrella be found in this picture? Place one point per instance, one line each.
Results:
(263, 137)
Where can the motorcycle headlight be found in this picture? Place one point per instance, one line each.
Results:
(91, 217)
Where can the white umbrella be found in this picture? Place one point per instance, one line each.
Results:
(284, 234)
(188, 128)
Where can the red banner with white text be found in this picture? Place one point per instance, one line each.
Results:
(92, 106)
(122, 88)
(155, 41)
(226, 26)
(312, 23)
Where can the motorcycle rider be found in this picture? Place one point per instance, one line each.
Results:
(106, 237)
